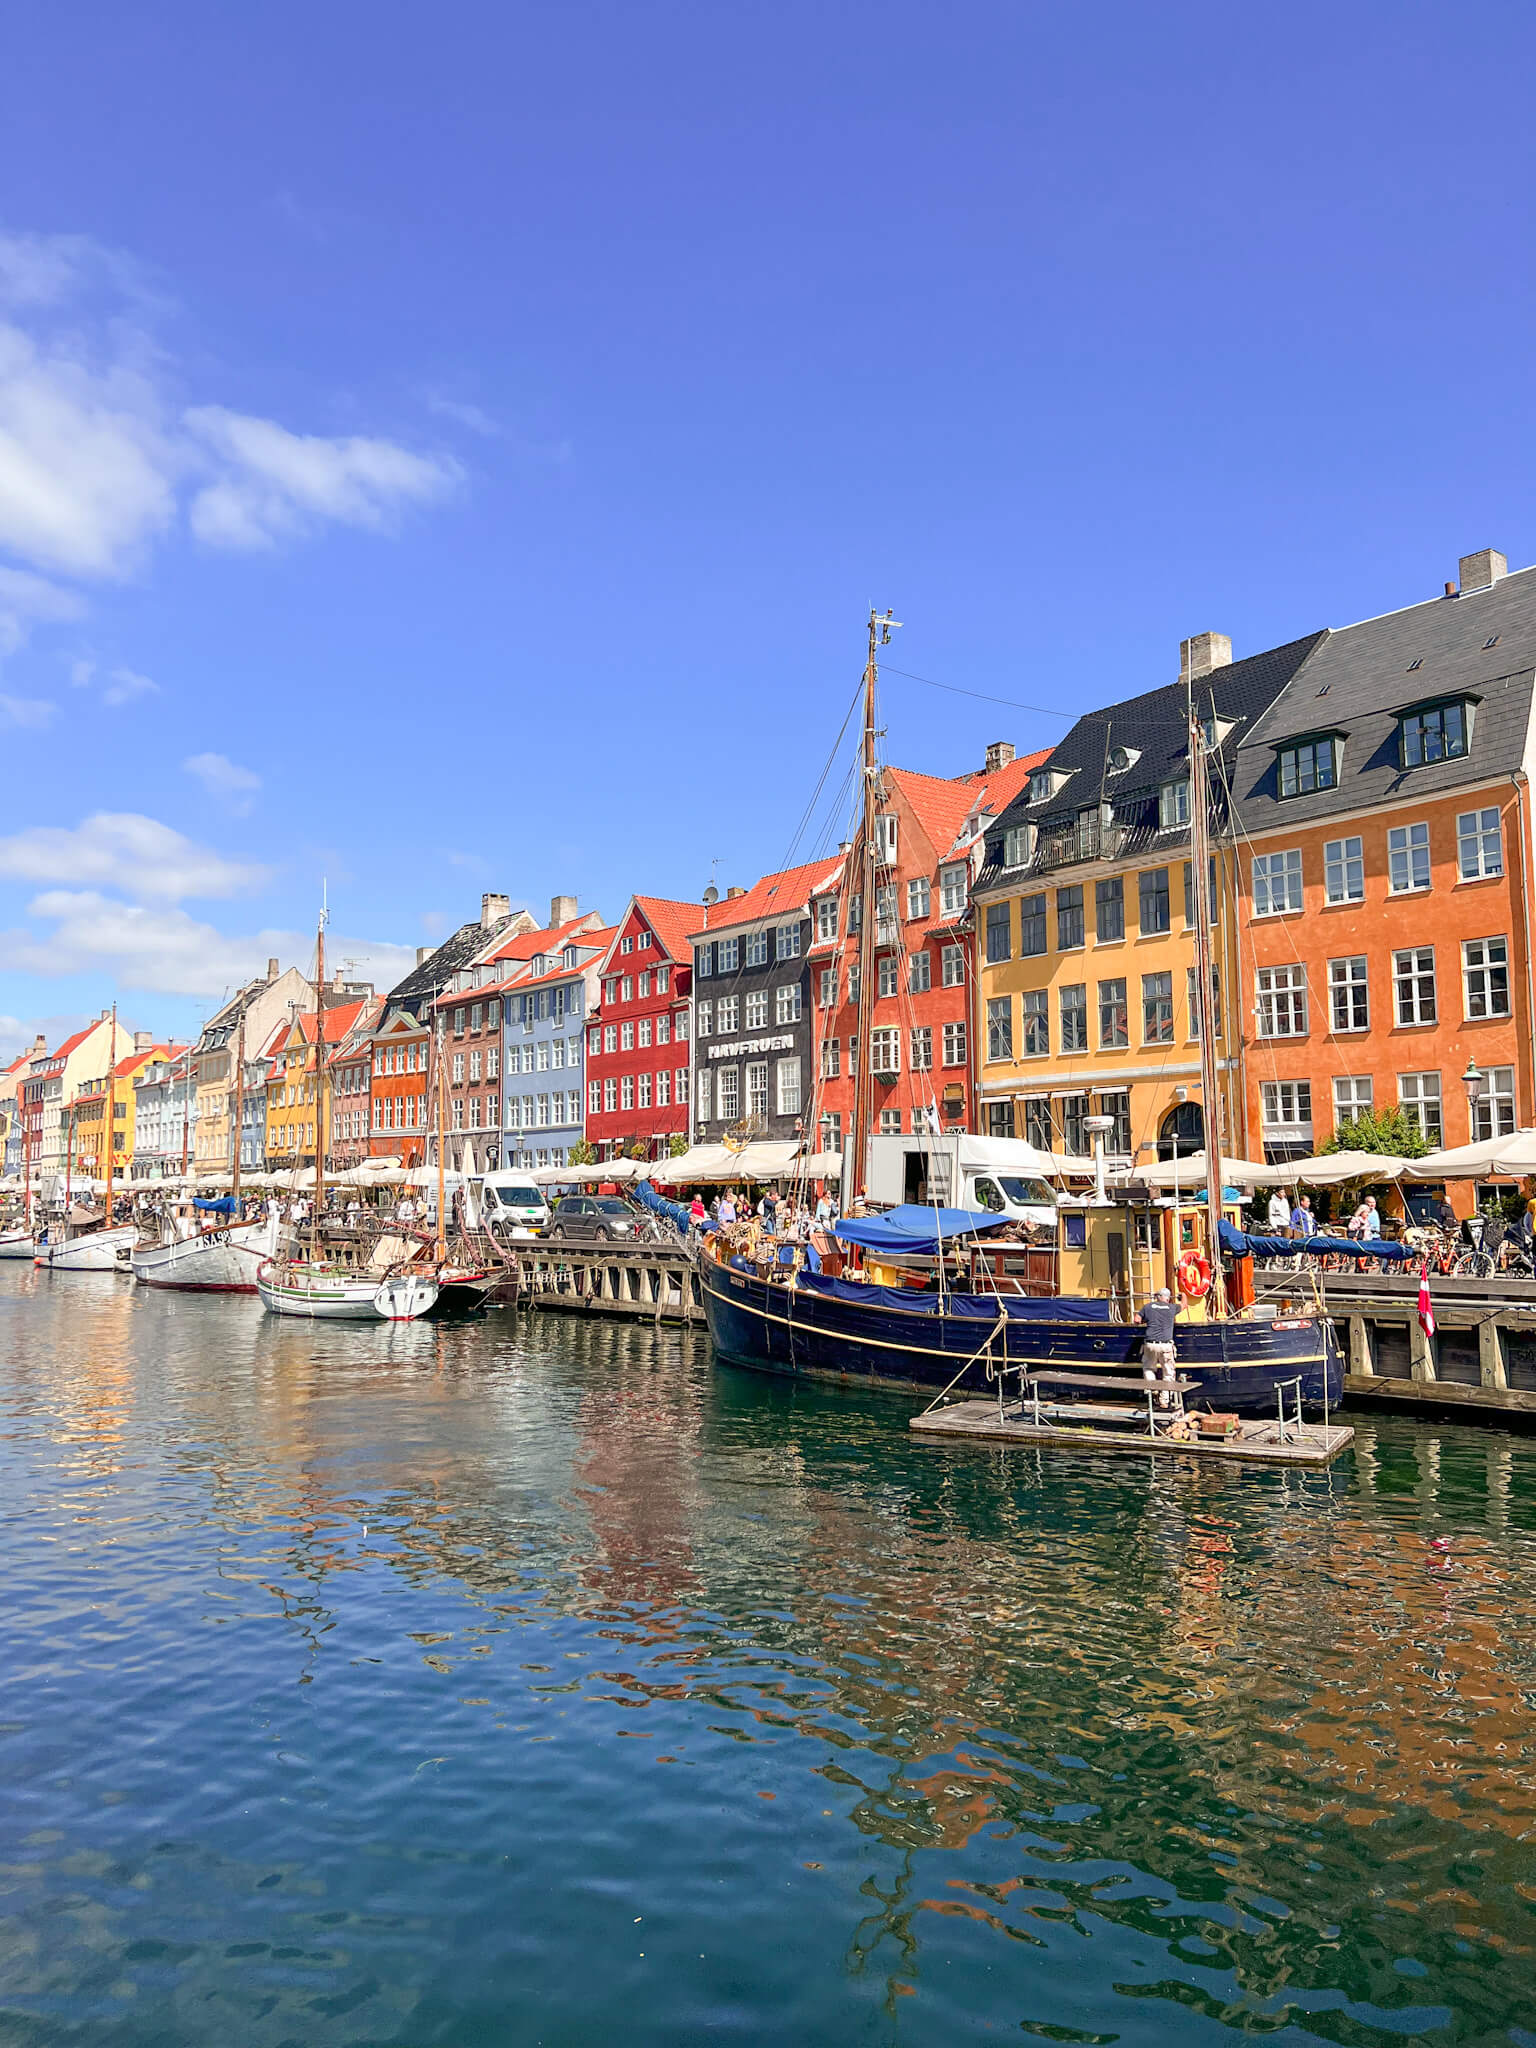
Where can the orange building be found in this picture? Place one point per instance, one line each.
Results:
(1384, 851)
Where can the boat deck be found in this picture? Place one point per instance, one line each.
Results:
(1260, 1442)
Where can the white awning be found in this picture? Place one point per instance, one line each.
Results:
(1190, 1172)
(1510, 1157)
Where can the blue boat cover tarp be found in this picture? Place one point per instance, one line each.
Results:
(914, 1227)
(675, 1212)
(915, 1301)
(1237, 1242)
(219, 1205)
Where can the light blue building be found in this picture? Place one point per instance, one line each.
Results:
(543, 1056)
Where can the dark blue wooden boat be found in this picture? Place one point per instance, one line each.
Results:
(916, 1342)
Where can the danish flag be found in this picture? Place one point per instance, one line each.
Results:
(1426, 1306)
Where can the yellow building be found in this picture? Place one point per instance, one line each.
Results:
(1084, 924)
(88, 1114)
(292, 1084)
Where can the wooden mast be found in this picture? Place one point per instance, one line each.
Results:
(441, 1064)
(862, 865)
(314, 1219)
(1205, 1005)
(234, 1187)
(111, 1105)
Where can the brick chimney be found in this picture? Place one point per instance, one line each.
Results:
(999, 754)
(273, 970)
(735, 889)
(424, 954)
(494, 908)
(1482, 570)
(561, 910)
(143, 1040)
(1201, 653)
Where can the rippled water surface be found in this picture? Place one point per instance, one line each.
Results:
(530, 1680)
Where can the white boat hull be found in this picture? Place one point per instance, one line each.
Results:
(18, 1244)
(216, 1261)
(99, 1251)
(339, 1297)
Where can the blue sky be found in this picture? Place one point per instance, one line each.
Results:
(472, 439)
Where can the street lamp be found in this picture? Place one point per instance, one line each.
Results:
(1472, 1081)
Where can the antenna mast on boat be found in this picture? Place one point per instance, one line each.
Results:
(111, 1105)
(314, 1221)
(234, 1185)
(441, 1078)
(863, 865)
(1205, 1003)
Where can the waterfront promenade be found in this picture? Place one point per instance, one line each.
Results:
(535, 1679)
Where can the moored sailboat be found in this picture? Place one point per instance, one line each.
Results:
(95, 1245)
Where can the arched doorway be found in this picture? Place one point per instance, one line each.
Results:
(1182, 1130)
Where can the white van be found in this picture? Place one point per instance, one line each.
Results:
(959, 1171)
(510, 1203)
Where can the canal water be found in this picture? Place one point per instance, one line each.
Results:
(532, 1680)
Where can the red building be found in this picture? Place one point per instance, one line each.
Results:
(637, 1043)
(917, 1028)
(350, 1088)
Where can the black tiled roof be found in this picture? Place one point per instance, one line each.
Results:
(1153, 727)
(1364, 675)
(439, 968)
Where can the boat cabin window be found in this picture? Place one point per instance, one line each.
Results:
(1027, 1191)
(1076, 1232)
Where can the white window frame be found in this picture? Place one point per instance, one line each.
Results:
(1480, 844)
(1280, 1001)
(954, 888)
(1408, 866)
(1344, 870)
(1277, 886)
(1485, 977)
(1420, 1098)
(1494, 1116)
(919, 896)
(1409, 975)
(1349, 994)
(1353, 1095)
(955, 1043)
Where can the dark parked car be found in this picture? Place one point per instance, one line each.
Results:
(595, 1219)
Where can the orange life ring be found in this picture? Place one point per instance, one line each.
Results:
(1194, 1276)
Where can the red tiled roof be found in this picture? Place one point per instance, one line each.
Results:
(671, 921)
(524, 945)
(599, 941)
(788, 889)
(79, 1038)
(126, 1066)
(942, 803)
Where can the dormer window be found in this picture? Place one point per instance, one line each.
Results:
(569, 956)
(540, 964)
(1018, 846)
(1121, 758)
(1173, 804)
(1307, 765)
(1045, 782)
(1433, 732)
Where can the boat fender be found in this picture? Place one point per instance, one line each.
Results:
(1194, 1276)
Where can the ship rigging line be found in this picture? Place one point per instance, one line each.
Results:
(1043, 710)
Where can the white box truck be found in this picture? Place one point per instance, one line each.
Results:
(958, 1171)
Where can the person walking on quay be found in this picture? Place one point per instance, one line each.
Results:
(1303, 1222)
(825, 1213)
(1279, 1211)
(1365, 1222)
(727, 1208)
(1158, 1356)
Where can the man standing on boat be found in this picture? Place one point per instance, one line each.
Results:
(1157, 1351)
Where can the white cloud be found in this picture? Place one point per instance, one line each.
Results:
(224, 779)
(462, 414)
(30, 713)
(277, 483)
(124, 684)
(101, 459)
(168, 952)
(148, 861)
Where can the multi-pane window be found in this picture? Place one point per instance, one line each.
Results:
(1194, 1007)
(1419, 1096)
(1349, 1000)
(952, 888)
(1173, 804)
(1016, 848)
(701, 1104)
(1485, 972)
(1212, 899)
(626, 1039)
(827, 988)
(786, 940)
(919, 896)
(1282, 1002)
(1115, 1103)
(728, 1093)
(890, 1123)
(786, 1003)
(952, 966)
(706, 1010)
(922, 1048)
(920, 972)
(626, 1096)
(786, 1083)
(727, 955)
(663, 980)
(1074, 1017)
(1479, 844)
(1157, 1009)
(885, 1051)
(1000, 1027)
(1309, 765)
(1344, 870)
(1353, 1095)
(886, 974)
(663, 1089)
(999, 931)
(1413, 982)
(1073, 1109)
(1114, 1023)
(757, 1009)
(757, 1088)
(1037, 1122)
(1069, 918)
(1153, 885)
(1407, 858)
(680, 1087)
(1493, 1115)
(755, 949)
(663, 1030)
(1287, 1104)
(831, 1058)
(853, 982)
(1109, 909)
(954, 1045)
(885, 912)
(728, 1013)
(1276, 883)
(1032, 938)
(645, 1091)
(1436, 733)
(826, 917)
(1036, 1021)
